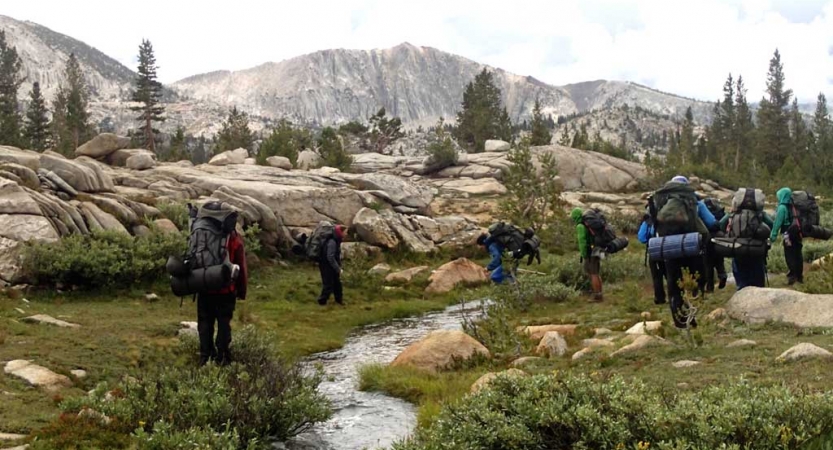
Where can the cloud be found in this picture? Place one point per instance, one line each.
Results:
(677, 46)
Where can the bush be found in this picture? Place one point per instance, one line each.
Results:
(546, 289)
(581, 412)
(176, 213)
(257, 396)
(251, 239)
(164, 436)
(104, 258)
(441, 153)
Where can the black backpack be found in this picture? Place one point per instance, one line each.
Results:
(314, 245)
(507, 235)
(675, 206)
(805, 213)
(209, 236)
(596, 223)
(717, 209)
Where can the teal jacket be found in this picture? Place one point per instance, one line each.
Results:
(783, 215)
(585, 239)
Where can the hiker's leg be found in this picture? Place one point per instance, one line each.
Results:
(205, 327)
(326, 283)
(657, 277)
(596, 277)
(799, 261)
(338, 291)
(789, 257)
(225, 312)
(709, 268)
(757, 272)
(674, 273)
(720, 264)
(737, 271)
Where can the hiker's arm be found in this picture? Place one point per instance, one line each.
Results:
(643, 235)
(780, 218)
(768, 220)
(706, 216)
(723, 222)
(332, 249)
(581, 233)
(497, 258)
(239, 258)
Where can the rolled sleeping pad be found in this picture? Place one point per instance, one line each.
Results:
(202, 280)
(818, 232)
(674, 247)
(740, 247)
(617, 245)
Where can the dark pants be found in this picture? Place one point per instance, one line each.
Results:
(714, 264)
(674, 273)
(211, 308)
(658, 278)
(749, 272)
(795, 261)
(330, 284)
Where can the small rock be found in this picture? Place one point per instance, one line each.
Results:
(459, 271)
(602, 332)
(537, 332)
(280, 162)
(24, 300)
(43, 318)
(11, 437)
(20, 311)
(717, 314)
(250, 162)
(552, 344)
(165, 226)
(405, 276)
(804, 350)
(582, 353)
(379, 269)
(685, 364)
(641, 342)
(522, 361)
(37, 375)
(151, 297)
(742, 343)
(141, 161)
(79, 373)
(188, 329)
(645, 327)
(496, 145)
(682, 385)
(484, 381)
(591, 343)
(439, 349)
(645, 315)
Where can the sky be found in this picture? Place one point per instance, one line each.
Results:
(687, 47)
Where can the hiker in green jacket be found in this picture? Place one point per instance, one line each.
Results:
(792, 242)
(590, 256)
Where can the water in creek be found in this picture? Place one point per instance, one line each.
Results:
(367, 419)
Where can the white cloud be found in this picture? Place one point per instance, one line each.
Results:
(674, 45)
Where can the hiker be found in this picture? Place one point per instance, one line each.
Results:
(591, 255)
(713, 261)
(792, 241)
(746, 232)
(495, 266)
(218, 305)
(329, 263)
(645, 233)
(680, 216)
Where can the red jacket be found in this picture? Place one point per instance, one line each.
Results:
(237, 255)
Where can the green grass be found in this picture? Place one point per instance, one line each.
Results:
(121, 332)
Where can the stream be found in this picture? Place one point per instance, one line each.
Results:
(368, 419)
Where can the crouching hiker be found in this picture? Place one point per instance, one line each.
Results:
(495, 266)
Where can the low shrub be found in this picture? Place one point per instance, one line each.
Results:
(584, 412)
(104, 258)
(544, 288)
(251, 239)
(175, 212)
(260, 395)
(165, 436)
(494, 326)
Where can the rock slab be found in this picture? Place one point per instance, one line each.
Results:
(804, 350)
(405, 276)
(486, 379)
(761, 305)
(440, 349)
(537, 332)
(49, 320)
(37, 375)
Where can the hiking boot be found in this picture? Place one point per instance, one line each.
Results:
(659, 301)
(596, 297)
(722, 283)
(340, 302)
(791, 281)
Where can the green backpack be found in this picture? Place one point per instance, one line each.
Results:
(676, 210)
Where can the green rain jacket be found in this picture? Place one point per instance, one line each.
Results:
(585, 240)
(783, 215)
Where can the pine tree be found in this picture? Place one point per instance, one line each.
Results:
(799, 132)
(284, 140)
(744, 128)
(774, 140)
(384, 131)
(235, 132)
(178, 150)
(71, 120)
(482, 115)
(149, 94)
(540, 134)
(332, 152)
(10, 81)
(687, 140)
(822, 143)
(36, 129)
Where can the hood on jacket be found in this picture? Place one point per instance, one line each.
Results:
(785, 196)
(576, 215)
(339, 232)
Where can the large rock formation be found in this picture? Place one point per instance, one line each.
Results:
(760, 305)
(439, 350)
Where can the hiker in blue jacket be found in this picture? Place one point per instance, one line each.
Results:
(646, 232)
(496, 264)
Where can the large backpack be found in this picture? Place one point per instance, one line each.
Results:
(747, 219)
(596, 223)
(749, 199)
(507, 235)
(207, 243)
(805, 213)
(715, 207)
(315, 243)
(676, 210)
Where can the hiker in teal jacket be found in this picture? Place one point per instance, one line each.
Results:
(792, 243)
(589, 255)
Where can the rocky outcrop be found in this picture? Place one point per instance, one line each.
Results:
(102, 145)
(439, 350)
(459, 271)
(405, 276)
(83, 175)
(421, 234)
(237, 156)
(141, 161)
(307, 159)
(49, 320)
(761, 305)
(496, 145)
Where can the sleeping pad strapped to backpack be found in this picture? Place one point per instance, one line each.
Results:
(205, 266)
(604, 237)
(805, 215)
(679, 228)
(746, 234)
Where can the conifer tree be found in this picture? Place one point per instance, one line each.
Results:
(540, 134)
(799, 132)
(687, 140)
(36, 128)
(774, 140)
(178, 149)
(822, 144)
(71, 120)
(10, 81)
(482, 116)
(235, 132)
(332, 152)
(744, 129)
(384, 131)
(149, 94)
